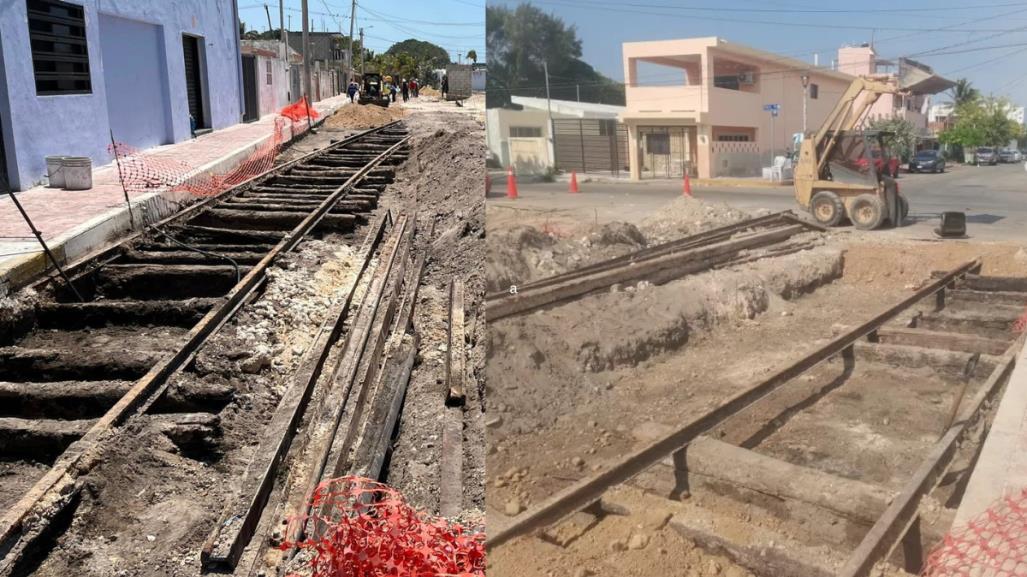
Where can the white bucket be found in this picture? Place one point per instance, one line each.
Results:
(78, 172)
(54, 174)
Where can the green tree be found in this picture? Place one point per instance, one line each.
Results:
(982, 122)
(520, 40)
(472, 56)
(964, 92)
(901, 135)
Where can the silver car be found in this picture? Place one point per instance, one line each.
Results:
(985, 155)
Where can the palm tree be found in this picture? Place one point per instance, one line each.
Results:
(473, 56)
(964, 92)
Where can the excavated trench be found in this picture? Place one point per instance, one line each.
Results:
(65, 361)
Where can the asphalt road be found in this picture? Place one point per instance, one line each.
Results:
(994, 199)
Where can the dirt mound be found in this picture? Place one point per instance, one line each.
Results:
(572, 344)
(364, 116)
(686, 216)
(523, 253)
(429, 91)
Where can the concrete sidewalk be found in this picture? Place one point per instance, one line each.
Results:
(77, 223)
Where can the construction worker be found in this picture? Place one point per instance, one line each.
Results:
(405, 89)
(445, 85)
(352, 89)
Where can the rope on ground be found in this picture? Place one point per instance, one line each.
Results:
(373, 532)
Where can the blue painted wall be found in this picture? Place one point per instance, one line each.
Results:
(138, 104)
(78, 124)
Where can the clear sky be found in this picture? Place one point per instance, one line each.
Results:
(456, 25)
(990, 36)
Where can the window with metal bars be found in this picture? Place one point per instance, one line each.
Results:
(60, 56)
(268, 67)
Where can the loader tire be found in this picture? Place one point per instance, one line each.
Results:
(827, 208)
(867, 212)
(903, 210)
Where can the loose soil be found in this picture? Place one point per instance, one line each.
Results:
(363, 116)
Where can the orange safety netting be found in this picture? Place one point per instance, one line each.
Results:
(992, 545)
(378, 534)
(299, 110)
(142, 172)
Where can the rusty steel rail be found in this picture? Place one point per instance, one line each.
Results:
(692, 241)
(590, 490)
(658, 268)
(50, 494)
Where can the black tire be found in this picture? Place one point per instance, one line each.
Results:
(867, 212)
(903, 210)
(827, 209)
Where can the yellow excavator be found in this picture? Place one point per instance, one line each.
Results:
(843, 172)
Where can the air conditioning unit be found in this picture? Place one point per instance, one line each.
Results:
(746, 78)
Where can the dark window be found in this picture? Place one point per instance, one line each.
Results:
(607, 127)
(268, 72)
(657, 143)
(60, 57)
(814, 91)
(525, 132)
(729, 82)
(733, 138)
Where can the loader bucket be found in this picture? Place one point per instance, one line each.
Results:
(917, 78)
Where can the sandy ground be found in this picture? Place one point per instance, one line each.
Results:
(575, 387)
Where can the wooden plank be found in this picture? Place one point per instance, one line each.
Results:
(328, 413)
(891, 527)
(589, 490)
(451, 464)
(995, 283)
(234, 530)
(959, 342)
(455, 359)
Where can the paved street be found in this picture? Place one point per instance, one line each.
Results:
(994, 199)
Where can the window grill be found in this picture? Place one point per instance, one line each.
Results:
(60, 55)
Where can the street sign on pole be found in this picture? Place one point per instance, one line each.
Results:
(773, 109)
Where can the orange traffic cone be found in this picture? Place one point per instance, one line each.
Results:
(574, 182)
(688, 186)
(511, 183)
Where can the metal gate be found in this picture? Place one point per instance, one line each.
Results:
(590, 145)
(193, 80)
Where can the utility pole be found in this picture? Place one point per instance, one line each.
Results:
(577, 88)
(805, 97)
(268, 12)
(361, 50)
(306, 52)
(349, 55)
(549, 109)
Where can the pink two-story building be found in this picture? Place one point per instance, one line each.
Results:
(698, 104)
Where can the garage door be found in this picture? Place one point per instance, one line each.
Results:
(135, 77)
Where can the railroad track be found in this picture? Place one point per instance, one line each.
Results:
(718, 247)
(796, 451)
(84, 359)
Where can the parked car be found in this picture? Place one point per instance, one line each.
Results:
(985, 155)
(1010, 155)
(927, 161)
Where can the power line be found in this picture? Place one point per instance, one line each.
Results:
(593, 6)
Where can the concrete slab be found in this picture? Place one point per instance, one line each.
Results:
(1002, 467)
(77, 223)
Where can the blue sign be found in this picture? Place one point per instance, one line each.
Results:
(772, 108)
